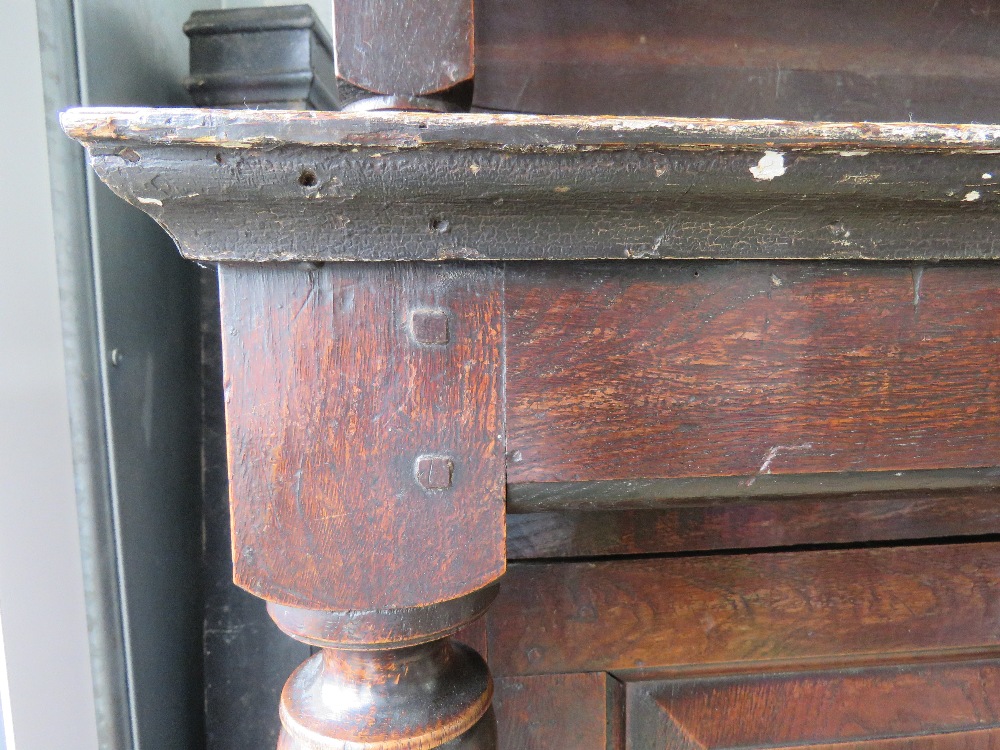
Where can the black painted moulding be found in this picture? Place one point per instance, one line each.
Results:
(279, 57)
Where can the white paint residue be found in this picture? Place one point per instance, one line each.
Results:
(853, 153)
(987, 176)
(150, 201)
(771, 165)
(972, 195)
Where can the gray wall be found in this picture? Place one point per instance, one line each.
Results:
(131, 52)
(99, 415)
(46, 689)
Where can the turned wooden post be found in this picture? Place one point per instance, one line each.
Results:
(358, 447)
(366, 477)
(387, 679)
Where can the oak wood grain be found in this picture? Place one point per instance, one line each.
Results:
(722, 609)
(331, 403)
(703, 369)
(555, 712)
(941, 706)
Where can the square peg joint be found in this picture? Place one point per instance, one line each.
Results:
(430, 327)
(434, 472)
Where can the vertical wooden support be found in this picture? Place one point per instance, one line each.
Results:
(365, 433)
(365, 444)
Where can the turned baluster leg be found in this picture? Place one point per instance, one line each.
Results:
(363, 405)
(387, 679)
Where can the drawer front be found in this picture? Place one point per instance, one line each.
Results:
(707, 612)
(946, 705)
(873, 649)
(942, 706)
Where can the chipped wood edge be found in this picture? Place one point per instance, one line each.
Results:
(509, 132)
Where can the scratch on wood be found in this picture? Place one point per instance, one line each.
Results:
(918, 277)
(772, 453)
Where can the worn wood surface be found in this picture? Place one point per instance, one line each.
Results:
(702, 612)
(413, 698)
(231, 185)
(942, 706)
(875, 60)
(330, 403)
(412, 48)
(391, 679)
(558, 712)
(511, 133)
(670, 370)
(246, 660)
(421, 526)
(755, 523)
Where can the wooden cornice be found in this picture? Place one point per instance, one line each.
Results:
(247, 185)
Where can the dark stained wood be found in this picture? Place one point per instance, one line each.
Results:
(764, 522)
(943, 706)
(405, 186)
(246, 660)
(417, 697)
(330, 403)
(404, 48)
(513, 133)
(391, 679)
(474, 636)
(381, 628)
(933, 60)
(680, 370)
(616, 714)
(366, 401)
(708, 611)
(555, 712)
(658, 494)
(983, 739)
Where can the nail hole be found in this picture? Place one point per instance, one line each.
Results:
(422, 126)
(307, 178)
(697, 273)
(218, 158)
(439, 225)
